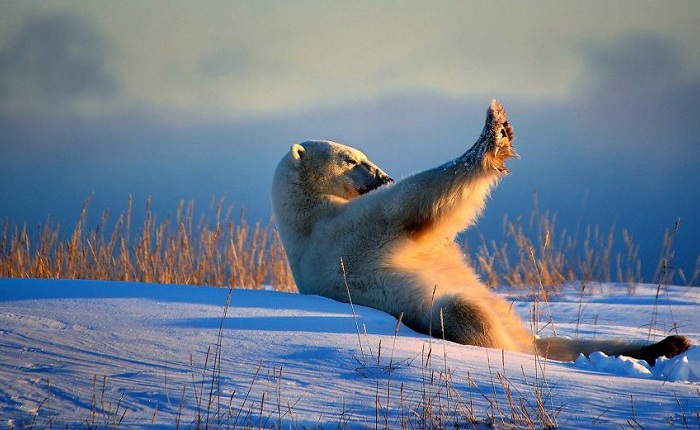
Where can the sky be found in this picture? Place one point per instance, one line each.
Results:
(184, 100)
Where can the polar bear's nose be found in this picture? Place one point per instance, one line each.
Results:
(370, 177)
(382, 177)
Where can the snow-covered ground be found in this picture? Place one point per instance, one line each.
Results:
(87, 353)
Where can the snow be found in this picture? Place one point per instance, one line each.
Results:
(685, 367)
(88, 353)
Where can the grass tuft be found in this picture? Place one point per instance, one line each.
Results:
(226, 252)
(562, 257)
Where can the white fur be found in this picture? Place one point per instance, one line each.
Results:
(397, 242)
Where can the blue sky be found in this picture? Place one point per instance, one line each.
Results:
(189, 100)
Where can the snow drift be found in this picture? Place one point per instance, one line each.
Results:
(109, 353)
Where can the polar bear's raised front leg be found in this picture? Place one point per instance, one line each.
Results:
(454, 194)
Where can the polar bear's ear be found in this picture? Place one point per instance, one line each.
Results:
(298, 152)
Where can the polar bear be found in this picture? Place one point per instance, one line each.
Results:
(396, 243)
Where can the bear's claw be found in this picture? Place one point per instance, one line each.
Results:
(494, 144)
(498, 135)
(669, 348)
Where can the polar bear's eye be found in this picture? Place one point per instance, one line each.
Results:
(350, 161)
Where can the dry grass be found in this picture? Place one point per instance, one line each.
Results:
(224, 252)
(230, 252)
(535, 252)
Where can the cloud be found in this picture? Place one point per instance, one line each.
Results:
(254, 59)
(227, 62)
(57, 61)
(638, 93)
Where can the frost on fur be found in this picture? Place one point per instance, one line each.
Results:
(397, 244)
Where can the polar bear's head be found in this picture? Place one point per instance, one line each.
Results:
(327, 168)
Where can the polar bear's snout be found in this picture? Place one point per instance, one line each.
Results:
(369, 176)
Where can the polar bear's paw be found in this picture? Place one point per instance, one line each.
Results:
(495, 142)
